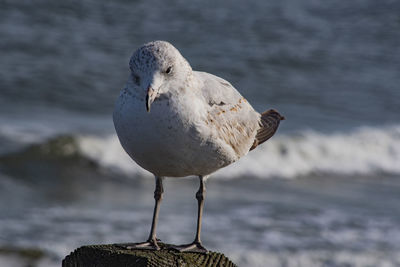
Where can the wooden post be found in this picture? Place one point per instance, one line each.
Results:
(116, 256)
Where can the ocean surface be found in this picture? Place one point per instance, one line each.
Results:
(324, 191)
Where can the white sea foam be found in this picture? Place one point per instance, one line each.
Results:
(107, 152)
(366, 150)
(363, 151)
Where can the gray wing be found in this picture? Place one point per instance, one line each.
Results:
(216, 90)
(232, 118)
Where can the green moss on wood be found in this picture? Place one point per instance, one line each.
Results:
(113, 255)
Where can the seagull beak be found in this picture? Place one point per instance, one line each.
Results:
(150, 96)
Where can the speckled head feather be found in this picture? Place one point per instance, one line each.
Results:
(157, 55)
(158, 68)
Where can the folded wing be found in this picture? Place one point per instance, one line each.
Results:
(231, 118)
(269, 123)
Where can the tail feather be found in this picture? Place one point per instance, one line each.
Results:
(269, 123)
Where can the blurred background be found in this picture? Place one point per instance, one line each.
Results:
(325, 191)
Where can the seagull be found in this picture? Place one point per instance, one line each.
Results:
(177, 122)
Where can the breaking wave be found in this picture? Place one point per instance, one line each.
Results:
(365, 150)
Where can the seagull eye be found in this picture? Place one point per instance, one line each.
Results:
(136, 79)
(169, 70)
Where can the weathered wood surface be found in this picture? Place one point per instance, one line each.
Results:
(113, 256)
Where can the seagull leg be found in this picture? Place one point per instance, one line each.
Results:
(196, 245)
(151, 242)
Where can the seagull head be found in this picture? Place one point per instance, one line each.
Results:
(158, 68)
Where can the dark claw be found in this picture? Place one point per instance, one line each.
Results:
(148, 245)
(193, 247)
